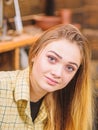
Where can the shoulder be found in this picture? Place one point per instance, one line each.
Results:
(11, 75)
(9, 78)
(8, 75)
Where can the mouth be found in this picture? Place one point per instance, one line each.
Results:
(51, 81)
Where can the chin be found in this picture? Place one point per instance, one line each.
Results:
(49, 89)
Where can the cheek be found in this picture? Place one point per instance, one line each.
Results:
(67, 79)
(38, 67)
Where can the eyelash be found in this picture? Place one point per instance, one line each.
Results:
(52, 59)
(69, 68)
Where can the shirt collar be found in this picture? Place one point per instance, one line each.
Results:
(42, 115)
(22, 91)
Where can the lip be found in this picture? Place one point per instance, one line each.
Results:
(51, 81)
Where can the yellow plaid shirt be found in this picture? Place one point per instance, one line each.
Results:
(15, 103)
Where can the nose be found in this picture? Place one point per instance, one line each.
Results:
(57, 71)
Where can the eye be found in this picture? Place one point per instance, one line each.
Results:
(70, 68)
(52, 59)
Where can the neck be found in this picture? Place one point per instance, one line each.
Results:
(36, 94)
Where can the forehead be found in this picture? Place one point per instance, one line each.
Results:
(62, 44)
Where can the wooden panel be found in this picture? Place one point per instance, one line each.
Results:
(87, 16)
(73, 3)
(90, 2)
(26, 7)
(94, 71)
(17, 58)
(6, 61)
(10, 60)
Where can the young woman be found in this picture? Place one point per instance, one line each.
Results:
(54, 92)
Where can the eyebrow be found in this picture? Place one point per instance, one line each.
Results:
(61, 58)
(74, 64)
(56, 54)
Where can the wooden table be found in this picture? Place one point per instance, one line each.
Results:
(15, 44)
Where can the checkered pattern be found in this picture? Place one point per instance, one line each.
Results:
(15, 103)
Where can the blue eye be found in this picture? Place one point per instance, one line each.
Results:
(51, 59)
(70, 68)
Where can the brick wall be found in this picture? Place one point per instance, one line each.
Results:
(27, 7)
(36, 6)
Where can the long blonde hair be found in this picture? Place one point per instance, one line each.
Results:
(71, 107)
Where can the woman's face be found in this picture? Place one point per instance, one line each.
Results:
(55, 65)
